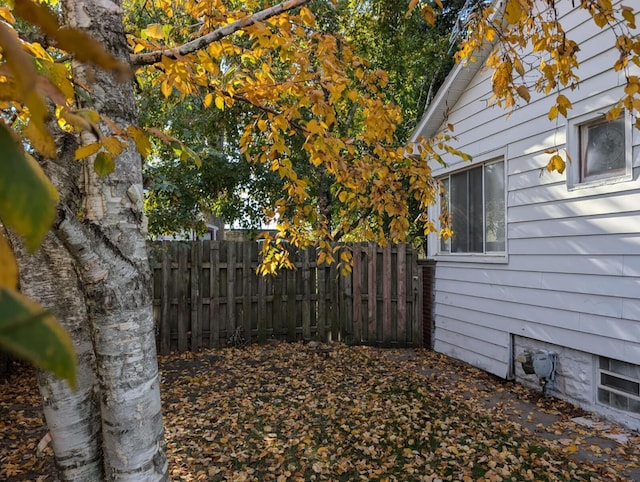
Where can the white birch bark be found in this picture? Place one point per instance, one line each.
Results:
(73, 417)
(98, 284)
(110, 247)
(50, 276)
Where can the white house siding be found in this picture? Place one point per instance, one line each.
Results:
(571, 277)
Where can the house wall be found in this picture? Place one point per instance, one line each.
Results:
(571, 277)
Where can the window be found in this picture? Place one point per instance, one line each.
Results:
(475, 201)
(619, 385)
(601, 150)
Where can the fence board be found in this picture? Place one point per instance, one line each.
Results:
(291, 305)
(207, 292)
(183, 307)
(416, 284)
(165, 297)
(322, 304)
(277, 302)
(346, 307)
(402, 293)
(196, 296)
(333, 303)
(231, 288)
(214, 296)
(356, 277)
(372, 299)
(247, 275)
(261, 313)
(386, 294)
(306, 294)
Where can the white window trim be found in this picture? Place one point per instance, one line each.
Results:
(434, 213)
(573, 148)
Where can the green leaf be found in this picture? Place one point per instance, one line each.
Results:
(189, 154)
(27, 198)
(33, 334)
(104, 164)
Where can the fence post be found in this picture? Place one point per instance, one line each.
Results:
(427, 276)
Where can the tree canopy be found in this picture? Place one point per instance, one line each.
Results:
(319, 122)
(415, 55)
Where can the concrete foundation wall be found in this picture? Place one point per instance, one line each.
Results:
(576, 380)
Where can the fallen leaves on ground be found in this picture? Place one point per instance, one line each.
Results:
(21, 428)
(287, 412)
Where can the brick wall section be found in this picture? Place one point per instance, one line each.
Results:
(428, 269)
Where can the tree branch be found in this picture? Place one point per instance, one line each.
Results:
(337, 235)
(266, 109)
(148, 58)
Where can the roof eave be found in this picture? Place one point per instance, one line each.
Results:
(448, 95)
(455, 85)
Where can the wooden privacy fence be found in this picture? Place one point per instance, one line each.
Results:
(207, 294)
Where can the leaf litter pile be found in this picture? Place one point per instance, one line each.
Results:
(330, 412)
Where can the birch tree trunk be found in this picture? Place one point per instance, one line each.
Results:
(73, 417)
(93, 272)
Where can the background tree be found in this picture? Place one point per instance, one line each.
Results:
(415, 54)
(181, 194)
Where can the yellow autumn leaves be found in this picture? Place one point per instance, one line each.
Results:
(353, 413)
(319, 117)
(553, 62)
(32, 80)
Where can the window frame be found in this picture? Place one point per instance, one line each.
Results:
(480, 257)
(575, 141)
(614, 391)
